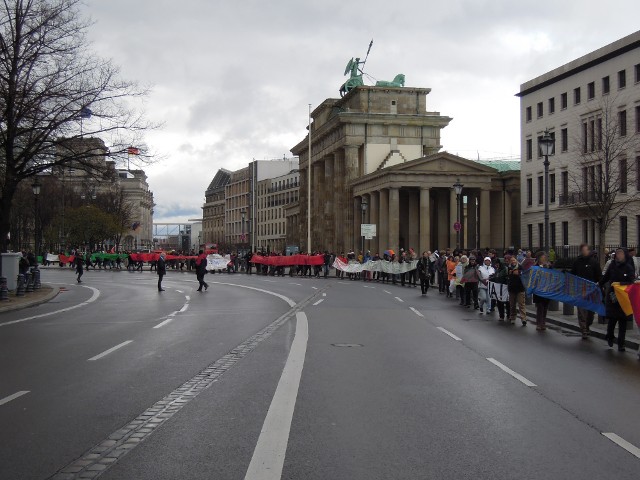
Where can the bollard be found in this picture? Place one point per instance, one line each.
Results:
(567, 309)
(20, 288)
(29, 279)
(554, 306)
(4, 291)
(36, 276)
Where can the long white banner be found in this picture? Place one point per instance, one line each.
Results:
(376, 266)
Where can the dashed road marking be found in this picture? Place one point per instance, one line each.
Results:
(268, 457)
(416, 312)
(162, 324)
(111, 350)
(184, 308)
(324, 294)
(298, 284)
(621, 442)
(455, 337)
(399, 299)
(179, 291)
(318, 302)
(13, 397)
(188, 298)
(315, 288)
(387, 291)
(515, 375)
(270, 281)
(368, 286)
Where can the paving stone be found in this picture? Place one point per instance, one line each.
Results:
(96, 467)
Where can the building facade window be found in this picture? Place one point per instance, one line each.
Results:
(540, 190)
(528, 114)
(585, 231)
(564, 139)
(622, 79)
(529, 148)
(599, 132)
(564, 103)
(539, 149)
(565, 233)
(622, 123)
(576, 96)
(541, 235)
(552, 105)
(623, 175)
(564, 179)
(585, 137)
(529, 192)
(637, 118)
(636, 74)
(592, 135)
(623, 232)
(552, 188)
(606, 85)
(530, 234)
(552, 233)
(591, 91)
(638, 177)
(540, 110)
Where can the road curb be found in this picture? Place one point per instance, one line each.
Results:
(12, 308)
(571, 326)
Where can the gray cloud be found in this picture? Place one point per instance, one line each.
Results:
(232, 80)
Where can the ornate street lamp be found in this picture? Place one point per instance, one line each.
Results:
(363, 206)
(458, 189)
(547, 147)
(36, 193)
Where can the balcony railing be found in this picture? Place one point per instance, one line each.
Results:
(579, 198)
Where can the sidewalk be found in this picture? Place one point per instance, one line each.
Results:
(43, 295)
(598, 330)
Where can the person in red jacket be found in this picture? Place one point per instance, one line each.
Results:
(201, 270)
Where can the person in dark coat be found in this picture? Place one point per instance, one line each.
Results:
(516, 292)
(586, 266)
(161, 269)
(201, 270)
(79, 262)
(424, 272)
(621, 270)
(542, 303)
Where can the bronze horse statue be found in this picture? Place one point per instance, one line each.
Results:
(398, 81)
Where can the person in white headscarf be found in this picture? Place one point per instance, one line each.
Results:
(485, 272)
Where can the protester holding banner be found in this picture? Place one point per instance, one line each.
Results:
(458, 274)
(500, 278)
(586, 266)
(485, 273)
(542, 303)
(516, 292)
(621, 271)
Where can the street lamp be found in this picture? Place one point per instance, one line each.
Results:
(243, 213)
(547, 147)
(363, 206)
(458, 189)
(36, 193)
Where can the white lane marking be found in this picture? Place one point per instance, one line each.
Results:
(416, 312)
(268, 292)
(270, 281)
(315, 288)
(162, 324)
(179, 291)
(367, 286)
(455, 337)
(318, 302)
(184, 308)
(187, 297)
(268, 457)
(13, 397)
(387, 291)
(621, 442)
(399, 299)
(94, 297)
(298, 284)
(515, 375)
(107, 352)
(324, 294)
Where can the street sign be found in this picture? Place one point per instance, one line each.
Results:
(368, 230)
(457, 226)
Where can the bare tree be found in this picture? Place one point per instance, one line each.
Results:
(604, 168)
(54, 92)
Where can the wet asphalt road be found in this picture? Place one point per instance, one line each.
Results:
(394, 385)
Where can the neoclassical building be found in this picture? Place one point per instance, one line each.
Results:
(382, 145)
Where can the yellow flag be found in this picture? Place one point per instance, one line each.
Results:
(623, 298)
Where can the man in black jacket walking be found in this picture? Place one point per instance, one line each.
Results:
(586, 266)
(162, 271)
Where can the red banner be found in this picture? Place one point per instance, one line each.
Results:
(290, 261)
(153, 257)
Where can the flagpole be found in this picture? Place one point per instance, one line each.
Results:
(309, 188)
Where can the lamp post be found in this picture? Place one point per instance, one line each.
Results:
(243, 213)
(36, 193)
(546, 144)
(363, 206)
(458, 189)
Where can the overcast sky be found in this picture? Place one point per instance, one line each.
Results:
(232, 80)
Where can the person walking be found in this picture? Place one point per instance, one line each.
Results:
(621, 271)
(79, 266)
(424, 273)
(201, 270)
(470, 280)
(500, 277)
(161, 269)
(450, 266)
(542, 304)
(586, 266)
(516, 292)
(459, 274)
(485, 273)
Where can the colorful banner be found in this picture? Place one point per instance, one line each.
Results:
(288, 261)
(563, 287)
(629, 298)
(498, 291)
(384, 266)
